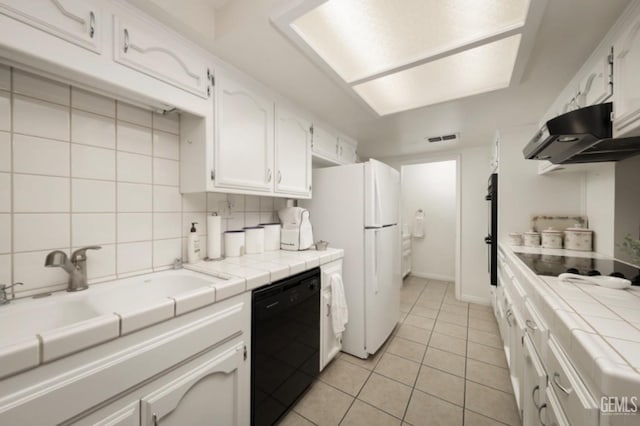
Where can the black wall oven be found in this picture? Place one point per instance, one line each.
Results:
(492, 238)
(285, 344)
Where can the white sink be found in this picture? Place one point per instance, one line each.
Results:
(63, 323)
(31, 317)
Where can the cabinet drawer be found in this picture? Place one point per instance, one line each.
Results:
(76, 21)
(550, 414)
(536, 328)
(149, 49)
(577, 403)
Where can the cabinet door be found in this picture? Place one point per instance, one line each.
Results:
(596, 87)
(214, 393)
(325, 143)
(159, 53)
(348, 152)
(293, 154)
(244, 142)
(626, 66)
(330, 345)
(534, 384)
(76, 21)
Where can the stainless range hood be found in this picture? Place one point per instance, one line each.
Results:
(581, 136)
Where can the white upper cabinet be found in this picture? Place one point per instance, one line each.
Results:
(76, 21)
(347, 150)
(596, 86)
(626, 66)
(325, 144)
(150, 49)
(244, 138)
(293, 153)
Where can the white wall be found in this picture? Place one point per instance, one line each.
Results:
(472, 278)
(432, 188)
(600, 206)
(523, 193)
(80, 169)
(627, 210)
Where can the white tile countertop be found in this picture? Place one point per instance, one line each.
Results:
(598, 327)
(49, 328)
(260, 269)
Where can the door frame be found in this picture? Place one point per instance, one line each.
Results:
(438, 159)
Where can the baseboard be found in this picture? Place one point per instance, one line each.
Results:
(432, 276)
(475, 299)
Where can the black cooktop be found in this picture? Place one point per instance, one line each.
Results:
(554, 265)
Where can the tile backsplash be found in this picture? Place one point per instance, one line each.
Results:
(80, 169)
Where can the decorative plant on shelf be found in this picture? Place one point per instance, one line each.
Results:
(631, 246)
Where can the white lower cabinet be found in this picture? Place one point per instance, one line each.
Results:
(191, 370)
(127, 416)
(534, 384)
(547, 387)
(330, 344)
(210, 393)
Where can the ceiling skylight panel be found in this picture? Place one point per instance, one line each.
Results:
(482, 69)
(362, 38)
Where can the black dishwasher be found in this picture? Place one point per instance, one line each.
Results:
(285, 344)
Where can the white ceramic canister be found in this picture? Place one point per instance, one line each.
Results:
(578, 238)
(271, 236)
(552, 238)
(515, 239)
(532, 239)
(254, 240)
(234, 243)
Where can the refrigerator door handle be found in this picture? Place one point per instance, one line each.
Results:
(376, 262)
(378, 206)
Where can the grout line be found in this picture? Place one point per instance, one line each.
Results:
(11, 185)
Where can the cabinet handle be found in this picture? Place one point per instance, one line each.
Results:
(279, 176)
(328, 309)
(126, 40)
(532, 325)
(543, 406)
(556, 381)
(340, 151)
(533, 396)
(92, 24)
(269, 175)
(508, 317)
(154, 419)
(337, 150)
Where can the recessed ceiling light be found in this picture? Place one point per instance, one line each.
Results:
(361, 38)
(403, 54)
(470, 72)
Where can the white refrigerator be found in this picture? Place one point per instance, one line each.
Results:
(356, 207)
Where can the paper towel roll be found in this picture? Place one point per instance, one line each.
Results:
(214, 236)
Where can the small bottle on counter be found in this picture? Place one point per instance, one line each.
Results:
(193, 245)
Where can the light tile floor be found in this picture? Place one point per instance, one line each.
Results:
(443, 365)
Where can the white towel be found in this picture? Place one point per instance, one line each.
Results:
(418, 225)
(339, 310)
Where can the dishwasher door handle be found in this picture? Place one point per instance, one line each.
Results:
(272, 305)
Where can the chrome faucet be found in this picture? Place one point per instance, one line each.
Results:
(76, 266)
(4, 297)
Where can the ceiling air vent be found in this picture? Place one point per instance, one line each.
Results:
(444, 138)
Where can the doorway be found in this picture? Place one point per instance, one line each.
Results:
(430, 214)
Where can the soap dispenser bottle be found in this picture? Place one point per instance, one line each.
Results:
(193, 245)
